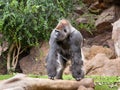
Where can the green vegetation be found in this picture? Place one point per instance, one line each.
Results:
(101, 82)
(3, 77)
(90, 25)
(26, 23)
(106, 82)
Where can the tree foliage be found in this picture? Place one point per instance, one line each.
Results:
(25, 23)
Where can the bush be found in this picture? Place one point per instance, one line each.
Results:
(27, 22)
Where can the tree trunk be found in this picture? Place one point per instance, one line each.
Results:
(9, 58)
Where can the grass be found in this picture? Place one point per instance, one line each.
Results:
(101, 82)
(106, 82)
(3, 77)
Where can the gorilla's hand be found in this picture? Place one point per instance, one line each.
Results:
(51, 72)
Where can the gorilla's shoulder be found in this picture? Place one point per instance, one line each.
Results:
(76, 35)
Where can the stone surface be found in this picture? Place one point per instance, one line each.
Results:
(102, 65)
(94, 50)
(99, 39)
(82, 20)
(22, 82)
(89, 1)
(105, 19)
(116, 36)
(79, 10)
(34, 63)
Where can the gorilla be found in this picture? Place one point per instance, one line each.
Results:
(65, 44)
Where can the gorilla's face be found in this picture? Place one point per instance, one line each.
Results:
(62, 30)
(61, 34)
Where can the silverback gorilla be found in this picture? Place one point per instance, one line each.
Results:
(65, 44)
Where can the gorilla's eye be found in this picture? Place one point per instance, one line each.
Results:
(65, 30)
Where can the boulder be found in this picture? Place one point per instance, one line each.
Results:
(97, 8)
(94, 50)
(112, 68)
(79, 10)
(102, 65)
(116, 36)
(105, 19)
(34, 63)
(82, 20)
(89, 1)
(22, 82)
(84, 88)
(98, 39)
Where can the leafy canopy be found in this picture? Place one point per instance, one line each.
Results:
(29, 21)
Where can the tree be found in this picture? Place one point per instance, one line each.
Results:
(25, 23)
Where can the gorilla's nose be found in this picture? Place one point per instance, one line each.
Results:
(57, 32)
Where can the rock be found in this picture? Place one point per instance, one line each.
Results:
(82, 20)
(116, 36)
(105, 19)
(96, 8)
(3, 69)
(79, 10)
(99, 39)
(115, 2)
(94, 66)
(94, 50)
(22, 82)
(3, 47)
(34, 63)
(102, 65)
(83, 88)
(112, 68)
(89, 1)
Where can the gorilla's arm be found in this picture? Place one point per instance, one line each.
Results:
(51, 58)
(77, 62)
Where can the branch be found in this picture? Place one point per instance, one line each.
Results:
(13, 58)
(18, 53)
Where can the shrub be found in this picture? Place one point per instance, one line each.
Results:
(25, 23)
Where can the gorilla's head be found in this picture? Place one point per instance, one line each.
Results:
(62, 30)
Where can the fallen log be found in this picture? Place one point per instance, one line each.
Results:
(22, 82)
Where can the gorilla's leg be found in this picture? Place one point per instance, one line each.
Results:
(77, 71)
(77, 65)
(61, 66)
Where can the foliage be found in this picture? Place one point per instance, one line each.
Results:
(90, 25)
(106, 82)
(25, 23)
(31, 21)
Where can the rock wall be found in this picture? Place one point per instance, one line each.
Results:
(102, 65)
(116, 37)
(34, 63)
